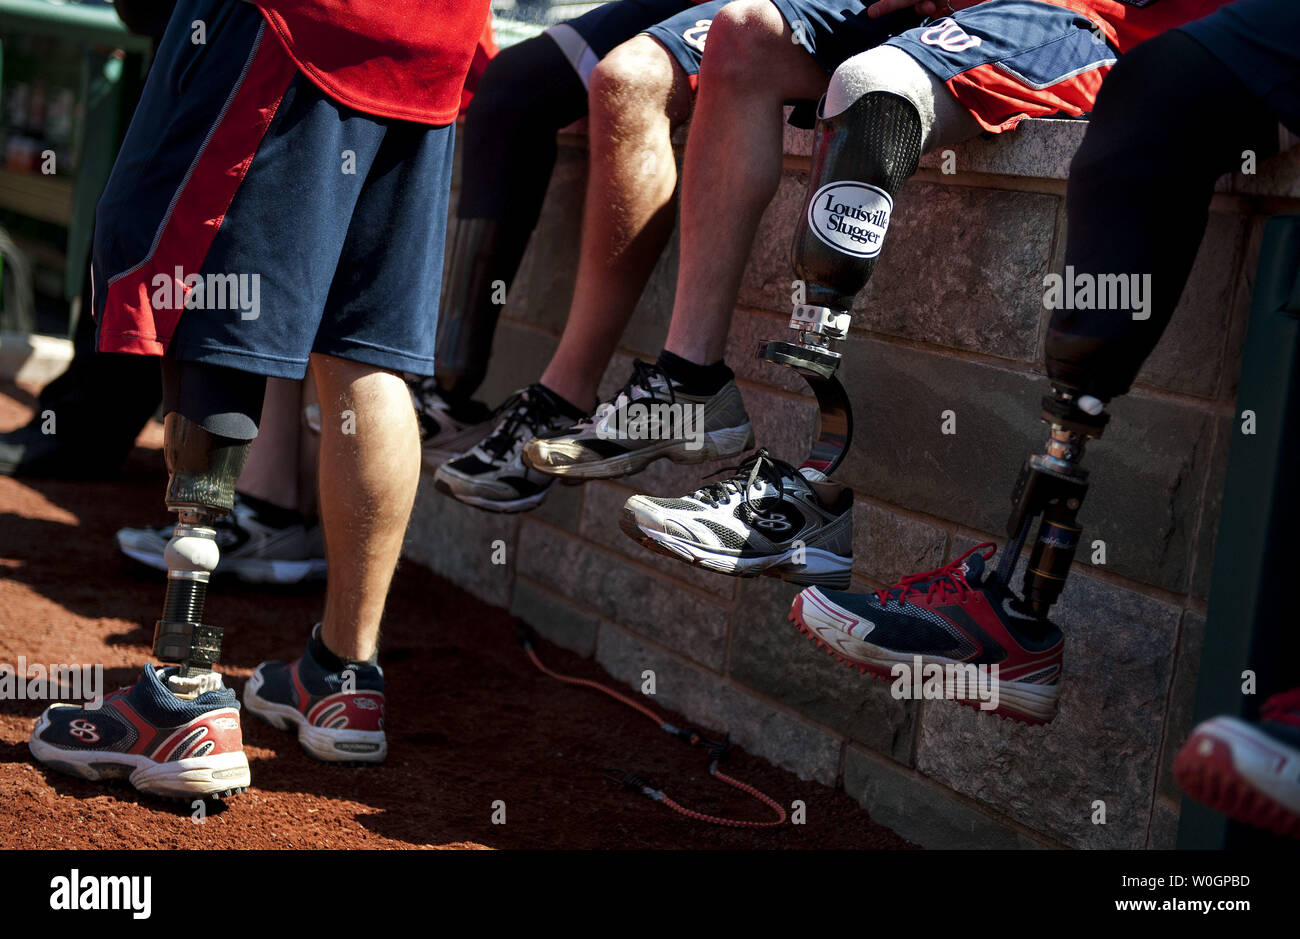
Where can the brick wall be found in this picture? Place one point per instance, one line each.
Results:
(952, 320)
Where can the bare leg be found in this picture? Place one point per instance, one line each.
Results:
(369, 470)
(638, 95)
(272, 470)
(308, 453)
(733, 164)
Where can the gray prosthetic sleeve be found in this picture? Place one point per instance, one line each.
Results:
(944, 120)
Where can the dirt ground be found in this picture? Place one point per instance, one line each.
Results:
(472, 721)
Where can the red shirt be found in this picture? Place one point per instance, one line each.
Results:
(404, 59)
(1125, 26)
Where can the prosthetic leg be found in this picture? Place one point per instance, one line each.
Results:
(1052, 485)
(203, 470)
(483, 258)
(862, 157)
(212, 416)
(881, 111)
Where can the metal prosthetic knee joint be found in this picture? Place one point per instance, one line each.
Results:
(861, 157)
(201, 489)
(1052, 485)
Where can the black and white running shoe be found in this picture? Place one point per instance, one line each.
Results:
(447, 428)
(650, 419)
(767, 519)
(491, 475)
(253, 548)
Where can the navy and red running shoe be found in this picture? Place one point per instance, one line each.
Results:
(1248, 770)
(338, 715)
(163, 745)
(950, 616)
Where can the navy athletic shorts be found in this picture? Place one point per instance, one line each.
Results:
(250, 220)
(831, 30)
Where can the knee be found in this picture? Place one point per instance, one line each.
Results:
(635, 76)
(741, 42)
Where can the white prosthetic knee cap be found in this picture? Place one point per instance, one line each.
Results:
(889, 69)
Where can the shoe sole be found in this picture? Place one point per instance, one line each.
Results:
(1230, 766)
(206, 777)
(820, 568)
(248, 570)
(328, 744)
(817, 618)
(717, 445)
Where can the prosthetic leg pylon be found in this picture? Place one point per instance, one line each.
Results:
(1053, 485)
(201, 489)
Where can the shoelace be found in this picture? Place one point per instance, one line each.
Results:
(760, 466)
(524, 410)
(945, 580)
(643, 374)
(1283, 708)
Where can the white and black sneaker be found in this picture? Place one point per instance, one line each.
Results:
(652, 418)
(492, 474)
(768, 519)
(258, 546)
(448, 428)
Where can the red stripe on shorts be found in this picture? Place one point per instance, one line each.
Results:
(1000, 100)
(131, 321)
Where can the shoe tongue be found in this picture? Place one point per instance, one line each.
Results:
(973, 568)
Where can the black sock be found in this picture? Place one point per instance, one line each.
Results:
(695, 379)
(268, 513)
(327, 659)
(566, 407)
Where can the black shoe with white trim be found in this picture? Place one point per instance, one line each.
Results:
(768, 519)
(492, 475)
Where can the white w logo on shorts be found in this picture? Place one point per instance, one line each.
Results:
(697, 34)
(949, 37)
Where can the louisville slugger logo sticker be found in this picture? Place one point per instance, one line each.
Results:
(851, 217)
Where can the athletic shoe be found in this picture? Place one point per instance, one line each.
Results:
(164, 745)
(1248, 770)
(338, 716)
(650, 419)
(946, 616)
(252, 550)
(447, 428)
(492, 475)
(768, 519)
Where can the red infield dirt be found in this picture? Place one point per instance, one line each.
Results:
(472, 720)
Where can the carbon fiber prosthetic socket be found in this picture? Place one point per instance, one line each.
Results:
(861, 157)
